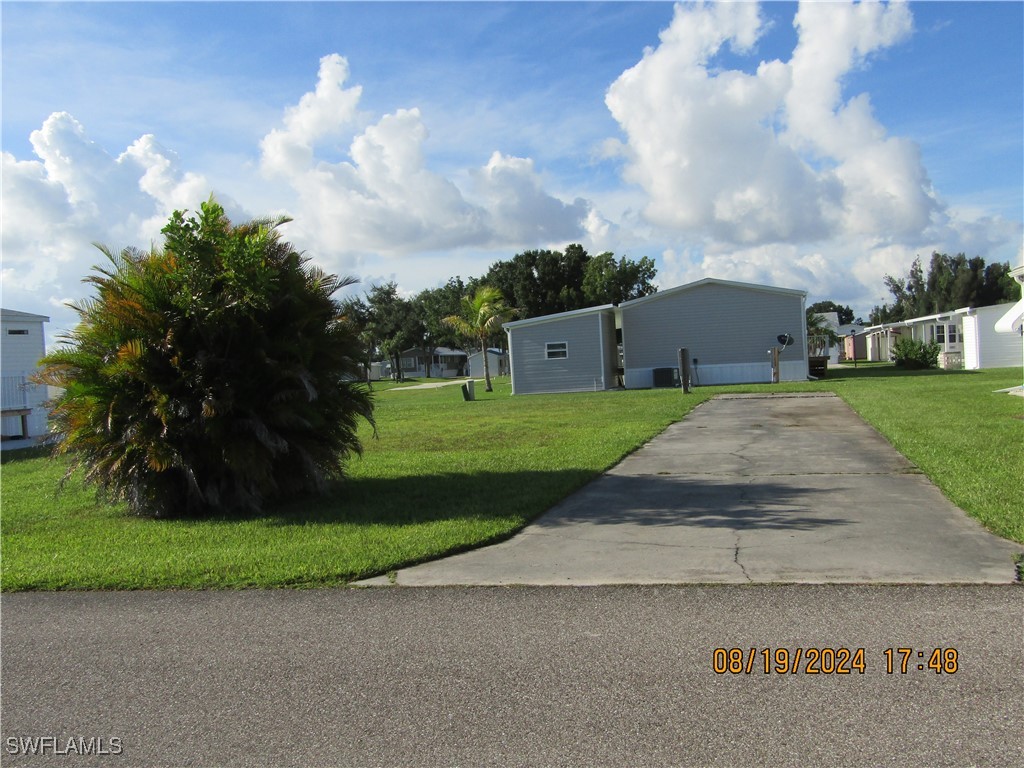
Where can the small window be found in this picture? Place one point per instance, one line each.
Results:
(556, 350)
(940, 334)
(17, 332)
(952, 334)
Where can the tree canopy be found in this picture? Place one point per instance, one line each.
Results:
(951, 282)
(535, 282)
(845, 313)
(547, 282)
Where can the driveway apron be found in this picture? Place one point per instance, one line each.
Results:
(746, 488)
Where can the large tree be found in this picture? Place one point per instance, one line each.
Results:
(608, 280)
(548, 282)
(951, 282)
(210, 375)
(844, 312)
(481, 316)
(393, 324)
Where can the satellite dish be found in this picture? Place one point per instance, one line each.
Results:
(785, 339)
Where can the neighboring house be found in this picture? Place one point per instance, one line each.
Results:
(729, 329)
(984, 346)
(966, 337)
(497, 362)
(567, 352)
(438, 363)
(821, 345)
(945, 329)
(24, 414)
(880, 339)
(380, 369)
(1012, 321)
(852, 341)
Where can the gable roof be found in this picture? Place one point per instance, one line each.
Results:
(558, 316)
(14, 316)
(712, 281)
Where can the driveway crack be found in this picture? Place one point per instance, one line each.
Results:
(736, 558)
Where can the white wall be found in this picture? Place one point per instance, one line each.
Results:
(23, 344)
(983, 347)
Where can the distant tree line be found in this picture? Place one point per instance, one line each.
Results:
(533, 283)
(951, 282)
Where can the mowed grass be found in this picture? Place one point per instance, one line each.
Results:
(445, 475)
(967, 437)
(442, 475)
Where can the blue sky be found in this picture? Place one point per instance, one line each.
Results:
(418, 141)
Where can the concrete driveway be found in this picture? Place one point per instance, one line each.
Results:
(746, 489)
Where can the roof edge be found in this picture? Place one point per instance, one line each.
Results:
(557, 316)
(713, 281)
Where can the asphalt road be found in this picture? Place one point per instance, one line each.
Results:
(512, 676)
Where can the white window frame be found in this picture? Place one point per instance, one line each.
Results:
(560, 348)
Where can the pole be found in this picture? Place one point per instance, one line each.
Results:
(684, 369)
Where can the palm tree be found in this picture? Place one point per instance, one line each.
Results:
(210, 375)
(482, 314)
(819, 334)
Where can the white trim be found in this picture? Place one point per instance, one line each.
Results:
(558, 316)
(1012, 320)
(548, 350)
(713, 281)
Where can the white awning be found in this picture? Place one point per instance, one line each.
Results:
(1012, 320)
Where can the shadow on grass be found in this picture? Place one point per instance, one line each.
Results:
(11, 455)
(414, 500)
(888, 371)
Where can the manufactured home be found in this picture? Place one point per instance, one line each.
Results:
(567, 352)
(966, 338)
(497, 363)
(729, 329)
(440, 362)
(24, 414)
(984, 346)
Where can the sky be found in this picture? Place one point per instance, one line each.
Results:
(817, 146)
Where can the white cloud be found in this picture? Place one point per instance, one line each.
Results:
(321, 114)
(776, 176)
(77, 194)
(384, 198)
(774, 156)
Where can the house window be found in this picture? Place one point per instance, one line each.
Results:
(952, 334)
(17, 332)
(940, 334)
(556, 350)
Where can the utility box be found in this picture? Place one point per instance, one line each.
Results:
(666, 377)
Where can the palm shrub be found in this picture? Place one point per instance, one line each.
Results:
(208, 376)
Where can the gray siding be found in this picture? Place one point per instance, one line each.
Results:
(719, 324)
(582, 370)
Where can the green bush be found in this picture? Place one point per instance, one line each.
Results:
(908, 353)
(208, 376)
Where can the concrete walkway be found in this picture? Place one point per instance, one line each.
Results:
(431, 385)
(746, 488)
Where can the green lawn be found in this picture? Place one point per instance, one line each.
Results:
(446, 475)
